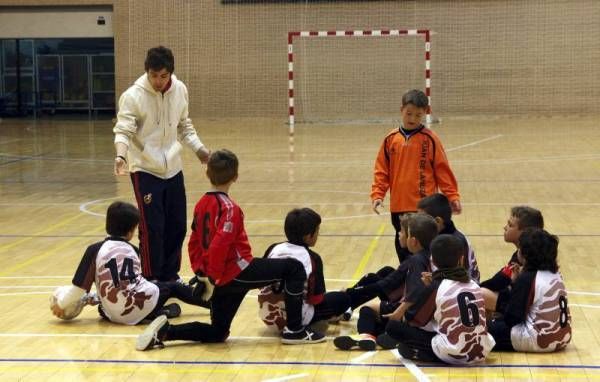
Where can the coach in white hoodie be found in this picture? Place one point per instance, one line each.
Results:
(152, 124)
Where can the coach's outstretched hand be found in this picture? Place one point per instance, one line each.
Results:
(203, 153)
(121, 166)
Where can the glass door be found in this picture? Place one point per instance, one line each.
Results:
(103, 82)
(48, 75)
(75, 81)
(19, 80)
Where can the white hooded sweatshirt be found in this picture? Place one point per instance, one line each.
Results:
(154, 125)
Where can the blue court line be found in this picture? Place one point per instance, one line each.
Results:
(290, 363)
(100, 237)
(191, 182)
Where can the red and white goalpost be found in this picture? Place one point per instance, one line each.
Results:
(425, 33)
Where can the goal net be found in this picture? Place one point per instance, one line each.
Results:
(355, 75)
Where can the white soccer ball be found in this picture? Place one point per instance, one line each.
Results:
(71, 311)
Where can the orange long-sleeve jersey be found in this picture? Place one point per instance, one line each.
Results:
(411, 167)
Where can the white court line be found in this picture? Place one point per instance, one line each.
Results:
(583, 293)
(22, 293)
(363, 357)
(586, 306)
(475, 143)
(287, 378)
(28, 286)
(104, 335)
(411, 367)
(528, 160)
(33, 277)
(83, 206)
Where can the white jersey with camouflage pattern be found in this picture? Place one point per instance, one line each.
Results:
(460, 323)
(547, 327)
(125, 295)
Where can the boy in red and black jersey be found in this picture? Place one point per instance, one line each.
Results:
(226, 270)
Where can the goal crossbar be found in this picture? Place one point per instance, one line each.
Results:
(425, 33)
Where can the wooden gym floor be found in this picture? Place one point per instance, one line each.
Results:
(56, 182)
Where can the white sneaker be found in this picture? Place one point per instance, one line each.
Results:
(151, 336)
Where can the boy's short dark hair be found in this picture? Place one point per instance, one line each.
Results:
(422, 227)
(540, 250)
(404, 222)
(528, 217)
(121, 218)
(300, 222)
(446, 251)
(436, 205)
(159, 58)
(222, 167)
(416, 98)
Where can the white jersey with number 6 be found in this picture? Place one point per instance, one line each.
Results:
(460, 323)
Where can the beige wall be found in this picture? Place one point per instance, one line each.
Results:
(534, 56)
(27, 22)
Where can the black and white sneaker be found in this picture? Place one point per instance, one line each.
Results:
(153, 335)
(347, 315)
(386, 341)
(361, 342)
(415, 354)
(304, 336)
(172, 310)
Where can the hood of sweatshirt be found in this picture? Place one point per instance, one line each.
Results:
(144, 83)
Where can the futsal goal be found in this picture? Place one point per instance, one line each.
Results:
(355, 75)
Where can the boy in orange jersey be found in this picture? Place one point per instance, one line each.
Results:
(412, 164)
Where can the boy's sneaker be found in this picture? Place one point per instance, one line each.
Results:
(171, 311)
(153, 335)
(347, 315)
(363, 342)
(415, 354)
(304, 336)
(386, 341)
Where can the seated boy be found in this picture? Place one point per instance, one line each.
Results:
(454, 302)
(302, 230)
(521, 218)
(221, 257)
(536, 317)
(113, 264)
(438, 206)
(373, 317)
